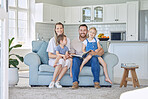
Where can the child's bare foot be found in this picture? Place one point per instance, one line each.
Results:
(70, 74)
(108, 80)
(54, 65)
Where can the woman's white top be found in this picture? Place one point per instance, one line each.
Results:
(51, 48)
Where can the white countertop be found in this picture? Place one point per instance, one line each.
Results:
(126, 41)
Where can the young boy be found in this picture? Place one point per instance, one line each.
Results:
(62, 52)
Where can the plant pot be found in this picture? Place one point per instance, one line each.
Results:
(13, 77)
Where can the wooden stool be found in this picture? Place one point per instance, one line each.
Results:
(125, 78)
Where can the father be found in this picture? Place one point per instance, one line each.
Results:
(76, 48)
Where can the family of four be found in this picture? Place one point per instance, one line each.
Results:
(60, 50)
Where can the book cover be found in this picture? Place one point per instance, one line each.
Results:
(81, 55)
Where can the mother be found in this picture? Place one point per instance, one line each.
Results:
(60, 70)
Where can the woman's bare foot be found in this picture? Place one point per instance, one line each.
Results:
(70, 74)
(108, 80)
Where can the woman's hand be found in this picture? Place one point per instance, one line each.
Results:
(59, 56)
(64, 57)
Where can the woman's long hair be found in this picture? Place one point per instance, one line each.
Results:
(55, 36)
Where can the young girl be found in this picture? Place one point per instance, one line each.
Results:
(91, 43)
(62, 52)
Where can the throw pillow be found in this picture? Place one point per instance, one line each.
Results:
(36, 45)
(42, 53)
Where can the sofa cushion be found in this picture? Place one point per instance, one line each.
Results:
(46, 68)
(86, 71)
(42, 53)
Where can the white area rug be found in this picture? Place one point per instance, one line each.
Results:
(67, 93)
(24, 91)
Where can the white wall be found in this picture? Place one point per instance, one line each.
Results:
(21, 52)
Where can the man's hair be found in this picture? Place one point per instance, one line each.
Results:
(60, 37)
(83, 25)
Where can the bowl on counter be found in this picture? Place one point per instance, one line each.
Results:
(103, 39)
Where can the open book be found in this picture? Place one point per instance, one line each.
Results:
(81, 55)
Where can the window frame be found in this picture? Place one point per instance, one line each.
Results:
(18, 9)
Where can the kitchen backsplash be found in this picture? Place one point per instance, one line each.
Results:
(46, 31)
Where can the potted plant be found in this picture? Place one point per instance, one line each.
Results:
(13, 63)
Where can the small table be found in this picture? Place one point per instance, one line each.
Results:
(125, 77)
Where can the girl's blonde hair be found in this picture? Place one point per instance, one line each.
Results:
(55, 36)
(93, 29)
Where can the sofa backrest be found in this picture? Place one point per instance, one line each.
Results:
(104, 45)
(40, 47)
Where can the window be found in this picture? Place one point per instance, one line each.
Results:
(19, 20)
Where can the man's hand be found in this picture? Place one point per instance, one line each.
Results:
(98, 52)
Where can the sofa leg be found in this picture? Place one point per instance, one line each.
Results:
(106, 85)
(39, 85)
(34, 85)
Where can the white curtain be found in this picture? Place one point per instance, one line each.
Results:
(3, 50)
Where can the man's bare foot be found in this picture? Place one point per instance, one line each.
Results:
(70, 74)
(54, 65)
(108, 80)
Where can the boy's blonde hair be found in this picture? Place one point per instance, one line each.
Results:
(93, 29)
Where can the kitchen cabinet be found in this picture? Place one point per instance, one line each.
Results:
(132, 21)
(92, 14)
(144, 5)
(54, 13)
(72, 15)
(41, 15)
(61, 14)
(115, 13)
(48, 13)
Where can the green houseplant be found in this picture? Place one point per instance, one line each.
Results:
(13, 63)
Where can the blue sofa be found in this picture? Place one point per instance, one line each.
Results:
(40, 73)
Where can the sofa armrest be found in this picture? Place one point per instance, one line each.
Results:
(32, 59)
(110, 59)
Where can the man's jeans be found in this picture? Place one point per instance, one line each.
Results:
(93, 62)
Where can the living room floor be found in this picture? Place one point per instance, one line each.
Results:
(24, 91)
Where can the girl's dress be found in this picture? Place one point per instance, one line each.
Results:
(91, 46)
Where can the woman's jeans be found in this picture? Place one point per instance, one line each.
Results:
(93, 62)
